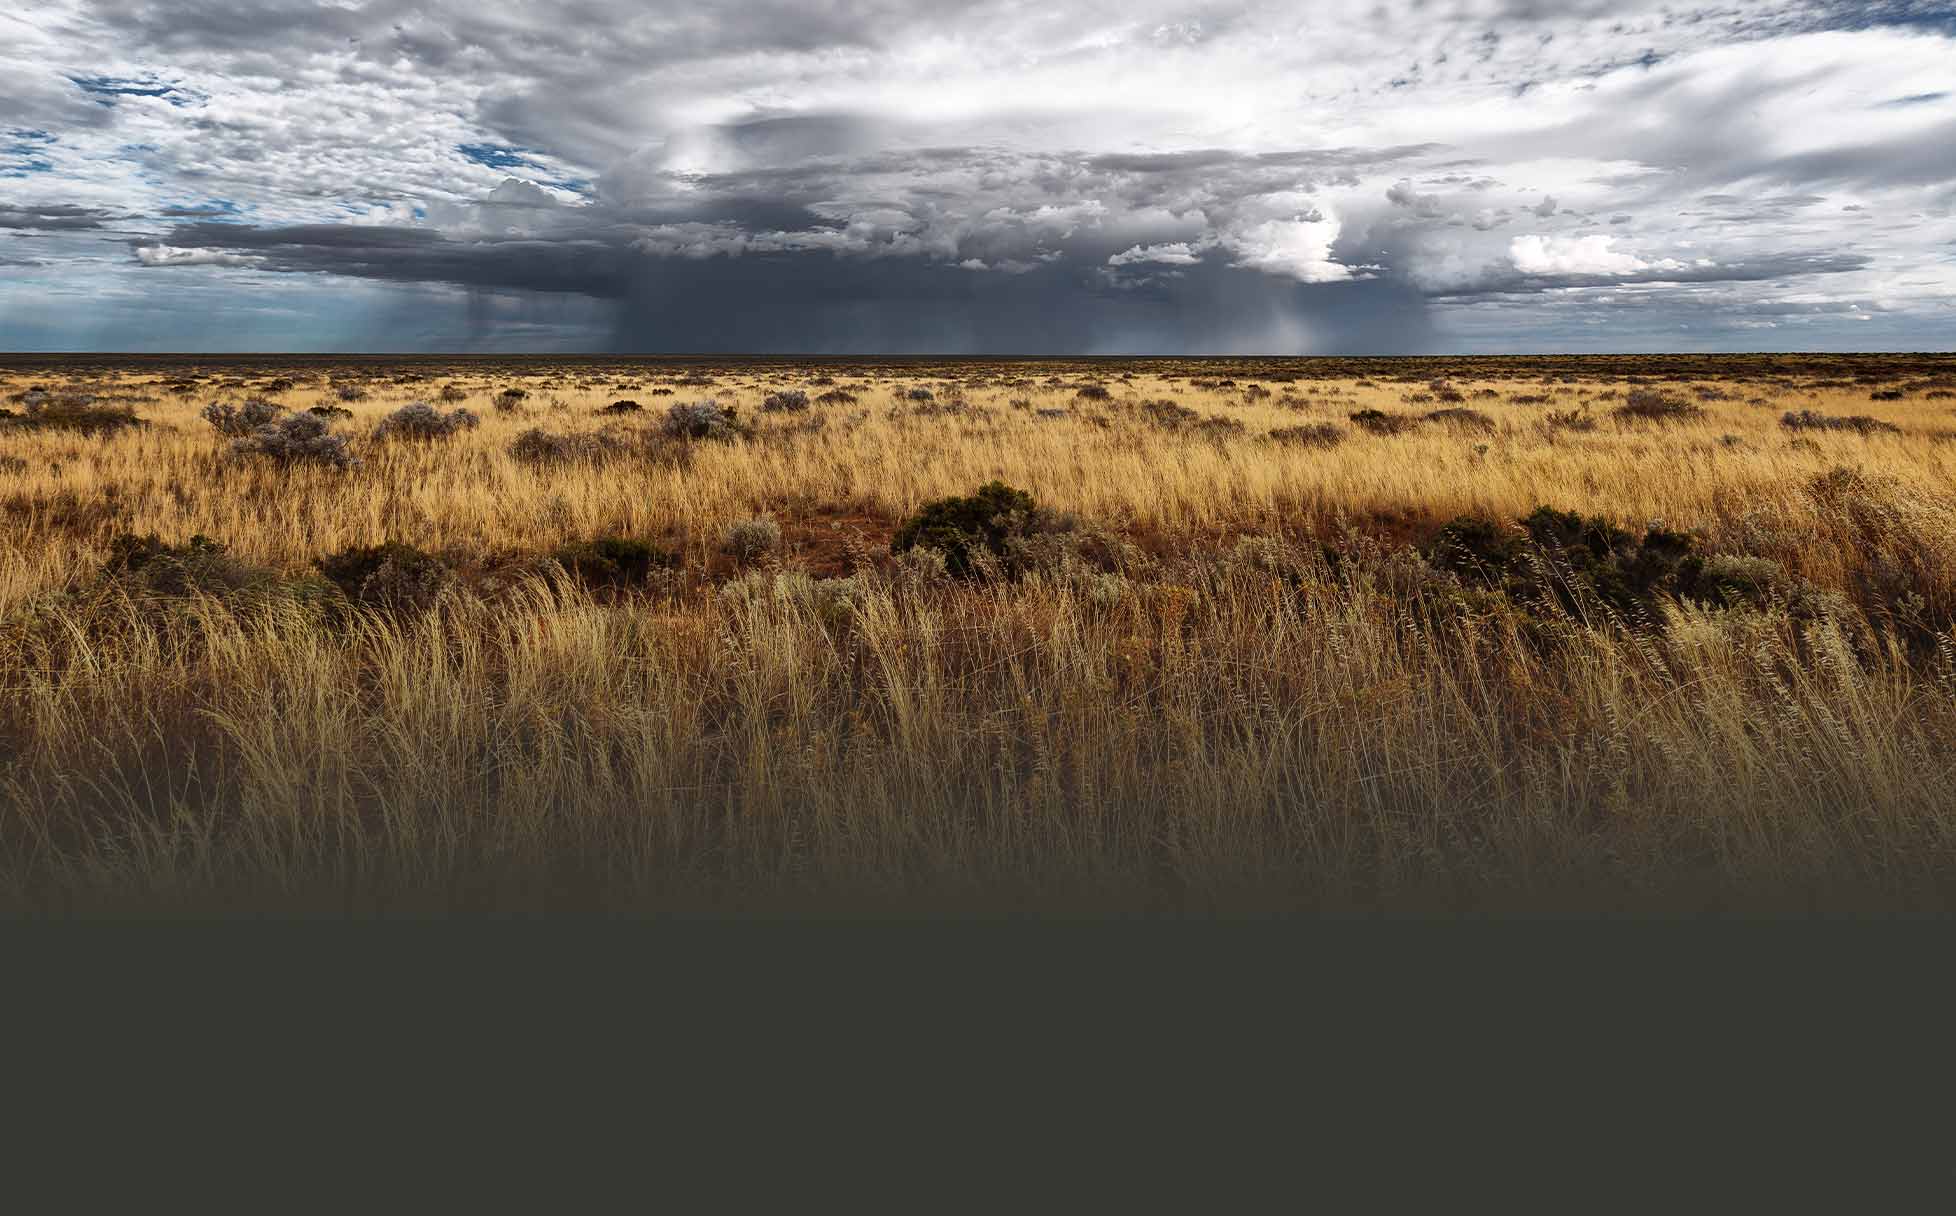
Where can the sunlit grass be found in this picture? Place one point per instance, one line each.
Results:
(1199, 723)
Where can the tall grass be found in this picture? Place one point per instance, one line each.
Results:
(1192, 724)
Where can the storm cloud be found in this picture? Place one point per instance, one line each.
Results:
(985, 175)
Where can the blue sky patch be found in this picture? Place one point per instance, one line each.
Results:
(106, 89)
(214, 211)
(497, 156)
(24, 151)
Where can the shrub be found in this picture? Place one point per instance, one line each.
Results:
(329, 412)
(1580, 563)
(703, 420)
(451, 393)
(1477, 548)
(752, 538)
(1171, 415)
(391, 577)
(791, 401)
(510, 399)
(960, 528)
(1462, 419)
(1446, 393)
(538, 446)
(623, 406)
(1648, 405)
(1886, 394)
(241, 420)
(1310, 435)
(1378, 422)
(1094, 392)
(199, 565)
(420, 421)
(279, 384)
(351, 392)
(297, 439)
(613, 561)
(919, 394)
(74, 412)
(1814, 420)
(837, 396)
(1569, 420)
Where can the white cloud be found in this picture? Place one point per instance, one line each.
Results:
(1172, 253)
(170, 255)
(1578, 255)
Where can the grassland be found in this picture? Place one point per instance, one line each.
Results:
(1272, 638)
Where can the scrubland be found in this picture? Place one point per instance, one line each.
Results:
(879, 637)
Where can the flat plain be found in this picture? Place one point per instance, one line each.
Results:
(435, 635)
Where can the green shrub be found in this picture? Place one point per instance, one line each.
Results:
(960, 528)
(1568, 420)
(1378, 422)
(1309, 435)
(1583, 564)
(613, 561)
(199, 565)
(1649, 405)
(704, 420)
(1476, 548)
(538, 446)
(77, 413)
(237, 421)
(1814, 420)
(418, 420)
(393, 577)
(753, 538)
(1461, 418)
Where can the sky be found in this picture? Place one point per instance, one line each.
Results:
(978, 176)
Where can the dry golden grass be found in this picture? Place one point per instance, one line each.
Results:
(1159, 714)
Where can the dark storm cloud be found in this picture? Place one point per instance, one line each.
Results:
(57, 218)
(1509, 280)
(821, 306)
(586, 263)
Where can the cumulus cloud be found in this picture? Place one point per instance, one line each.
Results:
(1402, 194)
(176, 255)
(1578, 255)
(1173, 253)
(1299, 247)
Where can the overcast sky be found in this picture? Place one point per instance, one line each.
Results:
(1037, 176)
